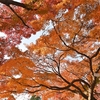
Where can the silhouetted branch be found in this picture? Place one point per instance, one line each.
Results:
(9, 2)
(18, 16)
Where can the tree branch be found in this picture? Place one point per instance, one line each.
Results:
(18, 16)
(9, 2)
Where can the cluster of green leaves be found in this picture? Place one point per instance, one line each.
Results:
(34, 97)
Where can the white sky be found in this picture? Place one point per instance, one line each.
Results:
(3, 35)
(33, 39)
(17, 0)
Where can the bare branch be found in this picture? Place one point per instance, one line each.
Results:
(9, 2)
(18, 16)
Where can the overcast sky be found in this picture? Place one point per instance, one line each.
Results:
(33, 39)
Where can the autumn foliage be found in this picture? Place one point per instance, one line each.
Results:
(64, 64)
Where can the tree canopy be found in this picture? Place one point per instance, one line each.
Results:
(64, 64)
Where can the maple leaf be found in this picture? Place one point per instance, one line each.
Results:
(64, 62)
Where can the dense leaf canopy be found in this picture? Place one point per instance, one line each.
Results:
(64, 64)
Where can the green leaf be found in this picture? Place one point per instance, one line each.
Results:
(35, 98)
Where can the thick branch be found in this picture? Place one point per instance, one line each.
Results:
(9, 2)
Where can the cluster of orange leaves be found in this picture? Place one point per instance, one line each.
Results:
(57, 57)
